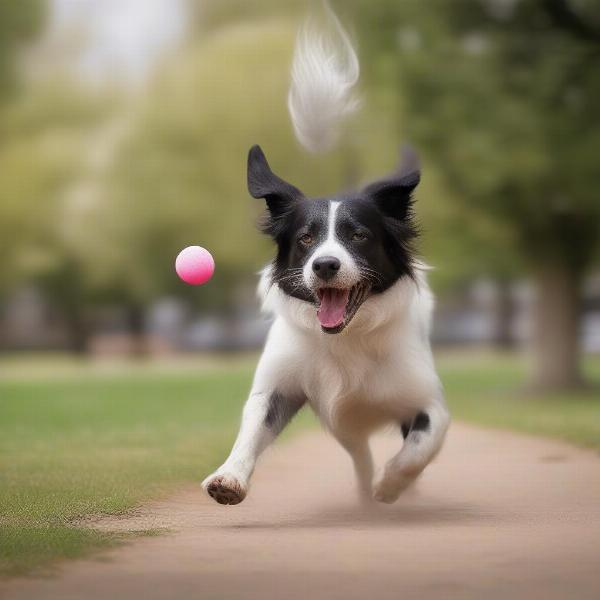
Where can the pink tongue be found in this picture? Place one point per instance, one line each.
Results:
(333, 307)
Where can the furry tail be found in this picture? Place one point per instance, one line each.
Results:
(324, 71)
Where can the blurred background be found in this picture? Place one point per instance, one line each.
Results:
(124, 129)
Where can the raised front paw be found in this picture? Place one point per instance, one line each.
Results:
(224, 488)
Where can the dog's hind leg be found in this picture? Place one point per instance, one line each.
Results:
(424, 435)
(358, 447)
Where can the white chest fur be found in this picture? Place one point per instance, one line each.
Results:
(381, 364)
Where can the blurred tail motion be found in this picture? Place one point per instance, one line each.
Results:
(325, 70)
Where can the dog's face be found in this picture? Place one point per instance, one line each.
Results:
(336, 252)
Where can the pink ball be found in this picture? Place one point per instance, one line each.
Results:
(195, 265)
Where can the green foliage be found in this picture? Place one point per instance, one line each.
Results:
(460, 244)
(214, 14)
(19, 23)
(181, 177)
(89, 235)
(503, 102)
(44, 134)
(500, 105)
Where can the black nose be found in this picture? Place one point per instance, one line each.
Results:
(326, 267)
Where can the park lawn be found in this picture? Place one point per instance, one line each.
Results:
(489, 389)
(80, 442)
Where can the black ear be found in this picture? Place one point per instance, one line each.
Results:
(393, 194)
(263, 183)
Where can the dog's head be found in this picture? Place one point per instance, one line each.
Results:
(336, 252)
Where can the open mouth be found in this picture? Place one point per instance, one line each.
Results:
(337, 306)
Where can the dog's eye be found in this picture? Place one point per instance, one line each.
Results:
(305, 239)
(359, 236)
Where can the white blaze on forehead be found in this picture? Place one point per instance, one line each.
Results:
(348, 274)
(333, 208)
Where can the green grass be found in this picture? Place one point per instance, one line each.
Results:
(489, 390)
(80, 440)
(83, 444)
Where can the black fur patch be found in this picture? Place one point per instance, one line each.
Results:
(385, 254)
(281, 411)
(405, 429)
(307, 217)
(421, 422)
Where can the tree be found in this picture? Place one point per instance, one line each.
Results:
(20, 22)
(502, 96)
(45, 146)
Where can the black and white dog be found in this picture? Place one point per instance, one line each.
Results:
(351, 303)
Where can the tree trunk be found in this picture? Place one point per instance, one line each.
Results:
(556, 321)
(504, 310)
(137, 330)
(78, 331)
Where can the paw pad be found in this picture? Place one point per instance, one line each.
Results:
(226, 490)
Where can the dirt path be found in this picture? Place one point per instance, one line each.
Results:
(496, 516)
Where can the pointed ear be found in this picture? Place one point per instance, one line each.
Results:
(393, 194)
(263, 183)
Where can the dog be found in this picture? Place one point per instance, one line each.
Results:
(351, 304)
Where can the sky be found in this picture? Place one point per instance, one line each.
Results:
(121, 38)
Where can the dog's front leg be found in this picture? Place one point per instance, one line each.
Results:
(424, 435)
(269, 408)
